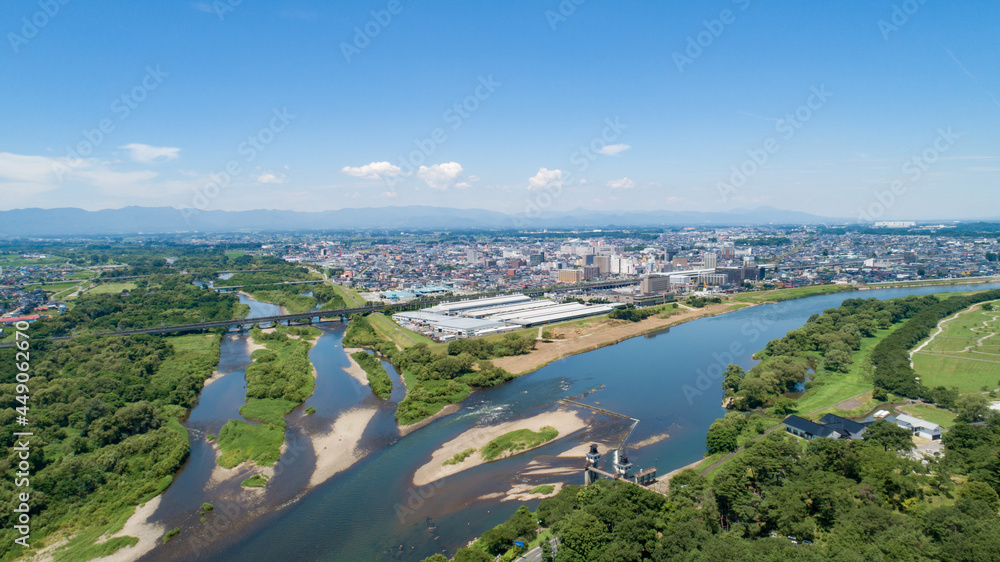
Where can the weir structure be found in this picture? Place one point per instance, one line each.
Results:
(621, 467)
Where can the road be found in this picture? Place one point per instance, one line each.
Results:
(535, 554)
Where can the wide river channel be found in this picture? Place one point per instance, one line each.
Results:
(371, 511)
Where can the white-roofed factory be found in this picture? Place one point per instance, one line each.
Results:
(479, 317)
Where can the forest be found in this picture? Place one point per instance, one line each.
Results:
(784, 499)
(104, 411)
(433, 379)
(157, 301)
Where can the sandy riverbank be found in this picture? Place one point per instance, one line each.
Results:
(354, 369)
(448, 410)
(149, 534)
(563, 420)
(601, 333)
(650, 440)
(522, 492)
(337, 449)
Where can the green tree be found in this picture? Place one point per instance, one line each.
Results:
(837, 360)
(721, 438)
(980, 491)
(972, 407)
(889, 436)
(733, 376)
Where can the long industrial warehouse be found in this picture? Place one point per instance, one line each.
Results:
(479, 317)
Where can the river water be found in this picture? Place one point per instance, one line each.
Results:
(670, 381)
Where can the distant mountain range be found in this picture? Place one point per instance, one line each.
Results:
(163, 220)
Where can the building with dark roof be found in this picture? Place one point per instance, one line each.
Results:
(807, 429)
(848, 429)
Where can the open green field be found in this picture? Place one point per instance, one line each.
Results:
(966, 354)
(233, 254)
(926, 282)
(518, 440)
(111, 288)
(778, 295)
(944, 418)
(15, 260)
(53, 287)
(402, 337)
(830, 389)
(350, 296)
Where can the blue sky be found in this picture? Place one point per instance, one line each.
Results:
(856, 108)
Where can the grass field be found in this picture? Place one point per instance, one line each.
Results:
(402, 337)
(831, 389)
(778, 295)
(233, 254)
(53, 287)
(239, 441)
(111, 288)
(350, 296)
(518, 440)
(966, 354)
(943, 418)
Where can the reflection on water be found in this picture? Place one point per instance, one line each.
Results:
(670, 381)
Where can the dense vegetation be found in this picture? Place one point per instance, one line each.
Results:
(518, 440)
(160, 300)
(433, 379)
(486, 348)
(279, 379)
(378, 379)
(440, 380)
(702, 302)
(104, 413)
(631, 313)
(855, 500)
(827, 344)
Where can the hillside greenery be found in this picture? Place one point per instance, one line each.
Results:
(851, 500)
(160, 300)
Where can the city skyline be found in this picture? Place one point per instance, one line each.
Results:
(873, 112)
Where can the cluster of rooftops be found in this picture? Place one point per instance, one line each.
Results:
(836, 427)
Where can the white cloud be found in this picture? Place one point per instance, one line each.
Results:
(390, 194)
(147, 154)
(441, 176)
(20, 167)
(623, 183)
(373, 171)
(613, 149)
(545, 178)
(269, 177)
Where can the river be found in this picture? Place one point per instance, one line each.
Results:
(667, 380)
